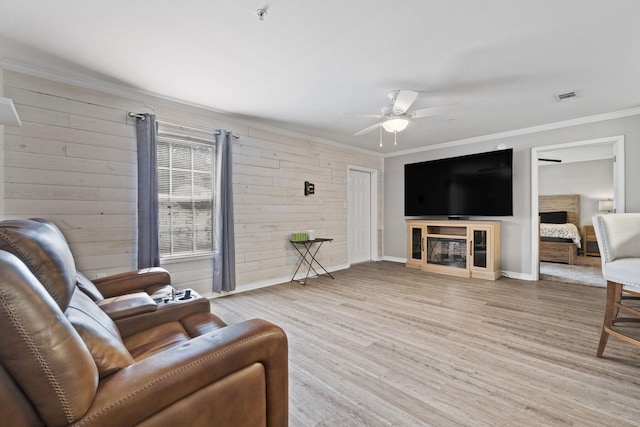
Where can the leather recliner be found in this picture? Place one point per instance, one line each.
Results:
(65, 362)
(154, 281)
(135, 299)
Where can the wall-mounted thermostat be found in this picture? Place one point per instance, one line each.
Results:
(309, 188)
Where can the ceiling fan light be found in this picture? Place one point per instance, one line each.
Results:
(395, 124)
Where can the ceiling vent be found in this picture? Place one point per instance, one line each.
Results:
(568, 95)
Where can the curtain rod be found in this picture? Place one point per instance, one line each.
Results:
(209, 131)
(181, 137)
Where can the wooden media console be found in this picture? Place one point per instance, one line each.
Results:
(457, 248)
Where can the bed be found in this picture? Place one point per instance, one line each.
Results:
(559, 228)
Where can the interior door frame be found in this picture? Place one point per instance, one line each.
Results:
(373, 208)
(618, 186)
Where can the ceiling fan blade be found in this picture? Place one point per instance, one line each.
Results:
(404, 100)
(369, 129)
(376, 116)
(550, 160)
(431, 111)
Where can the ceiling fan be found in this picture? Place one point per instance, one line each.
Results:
(396, 116)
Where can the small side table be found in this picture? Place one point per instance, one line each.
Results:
(308, 256)
(590, 241)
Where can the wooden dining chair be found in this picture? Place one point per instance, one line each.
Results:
(618, 237)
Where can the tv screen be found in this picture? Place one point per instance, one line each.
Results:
(472, 185)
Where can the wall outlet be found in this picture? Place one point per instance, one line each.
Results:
(101, 275)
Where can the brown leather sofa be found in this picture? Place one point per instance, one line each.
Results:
(154, 281)
(64, 361)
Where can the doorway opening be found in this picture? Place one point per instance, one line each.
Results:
(611, 148)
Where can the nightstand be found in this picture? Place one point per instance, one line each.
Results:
(590, 242)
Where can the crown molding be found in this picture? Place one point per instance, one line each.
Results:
(75, 79)
(80, 80)
(524, 131)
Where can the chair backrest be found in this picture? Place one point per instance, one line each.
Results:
(44, 250)
(87, 286)
(47, 372)
(618, 236)
(55, 341)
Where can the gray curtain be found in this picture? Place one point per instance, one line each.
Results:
(148, 245)
(224, 252)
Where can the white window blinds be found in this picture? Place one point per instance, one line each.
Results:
(185, 193)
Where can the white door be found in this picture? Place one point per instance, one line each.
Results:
(359, 216)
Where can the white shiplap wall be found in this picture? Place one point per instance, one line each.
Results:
(73, 161)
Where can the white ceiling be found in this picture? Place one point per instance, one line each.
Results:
(500, 61)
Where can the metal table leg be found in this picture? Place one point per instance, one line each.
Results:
(307, 251)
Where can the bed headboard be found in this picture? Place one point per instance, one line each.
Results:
(564, 202)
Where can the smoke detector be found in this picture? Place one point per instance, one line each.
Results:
(568, 95)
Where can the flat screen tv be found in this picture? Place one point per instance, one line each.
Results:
(472, 185)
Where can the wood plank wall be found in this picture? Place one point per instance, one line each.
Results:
(73, 161)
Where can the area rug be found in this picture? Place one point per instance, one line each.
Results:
(577, 274)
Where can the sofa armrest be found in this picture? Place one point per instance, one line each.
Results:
(174, 311)
(128, 305)
(133, 281)
(170, 381)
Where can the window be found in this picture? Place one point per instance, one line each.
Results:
(185, 196)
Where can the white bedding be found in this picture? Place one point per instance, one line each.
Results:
(563, 231)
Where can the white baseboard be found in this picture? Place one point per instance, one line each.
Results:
(271, 282)
(394, 259)
(519, 276)
(505, 273)
(279, 280)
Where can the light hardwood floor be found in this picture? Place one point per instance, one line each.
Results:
(383, 345)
